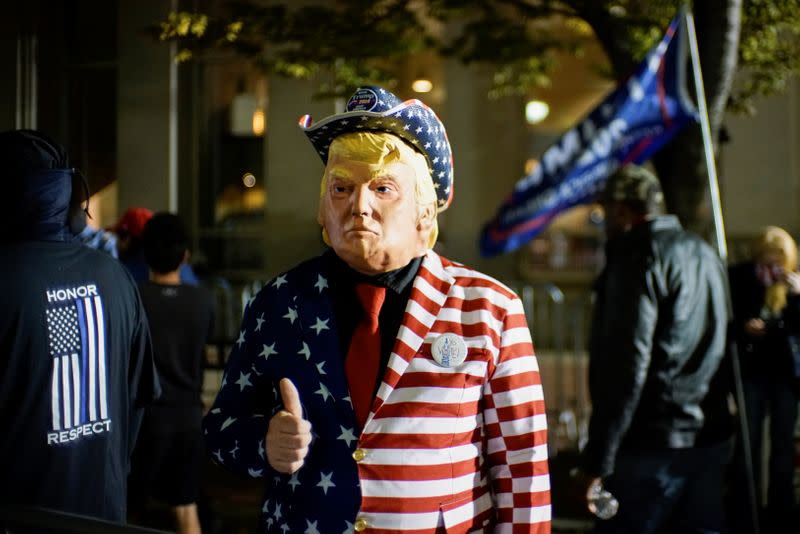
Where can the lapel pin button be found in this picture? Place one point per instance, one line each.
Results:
(449, 350)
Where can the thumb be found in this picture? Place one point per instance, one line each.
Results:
(291, 398)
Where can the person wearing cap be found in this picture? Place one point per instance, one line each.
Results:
(660, 431)
(129, 230)
(381, 387)
(76, 365)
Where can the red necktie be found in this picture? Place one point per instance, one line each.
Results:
(364, 355)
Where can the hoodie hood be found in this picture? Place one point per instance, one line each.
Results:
(37, 180)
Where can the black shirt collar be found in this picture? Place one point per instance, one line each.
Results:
(397, 280)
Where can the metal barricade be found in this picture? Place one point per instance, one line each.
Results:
(558, 324)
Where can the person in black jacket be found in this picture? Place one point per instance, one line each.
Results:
(766, 323)
(76, 365)
(660, 430)
(168, 459)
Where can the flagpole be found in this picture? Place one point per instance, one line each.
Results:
(708, 145)
(719, 231)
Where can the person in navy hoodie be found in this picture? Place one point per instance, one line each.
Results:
(76, 365)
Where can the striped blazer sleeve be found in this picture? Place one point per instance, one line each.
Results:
(516, 430)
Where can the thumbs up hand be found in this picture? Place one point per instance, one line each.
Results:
(288, 435)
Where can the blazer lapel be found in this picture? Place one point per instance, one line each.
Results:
(428, 294)
(320, 343)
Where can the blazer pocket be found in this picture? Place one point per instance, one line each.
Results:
(467, 515)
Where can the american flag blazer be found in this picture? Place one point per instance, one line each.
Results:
(444, 449)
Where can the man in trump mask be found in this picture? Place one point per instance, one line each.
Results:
(381, 387)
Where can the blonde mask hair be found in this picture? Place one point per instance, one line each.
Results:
(379, 148)
(777, 242)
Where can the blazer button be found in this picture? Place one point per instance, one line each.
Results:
(359, 455)
(360, 525)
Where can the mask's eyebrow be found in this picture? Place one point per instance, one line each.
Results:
(382, 174)
(339, 172)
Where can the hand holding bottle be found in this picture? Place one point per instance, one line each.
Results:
(600, 501)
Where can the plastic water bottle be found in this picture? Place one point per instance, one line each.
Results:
(601, 503)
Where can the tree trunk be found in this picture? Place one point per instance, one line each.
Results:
(681, 164)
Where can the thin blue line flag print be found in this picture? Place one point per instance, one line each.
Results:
(76, 334)
(628, 126)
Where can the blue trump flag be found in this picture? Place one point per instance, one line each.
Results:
(629, 126)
